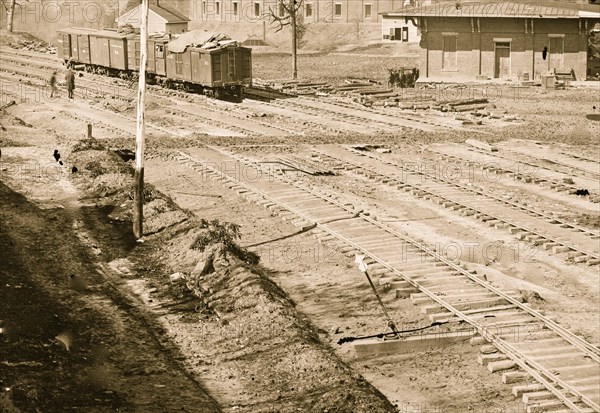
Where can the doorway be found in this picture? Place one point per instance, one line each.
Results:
(502, 61)
(555, 53)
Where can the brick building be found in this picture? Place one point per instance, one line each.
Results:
(502, 39)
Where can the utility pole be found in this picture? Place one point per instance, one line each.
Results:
(10, 16)
(138, 194)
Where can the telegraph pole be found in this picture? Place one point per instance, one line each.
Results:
(138, 195)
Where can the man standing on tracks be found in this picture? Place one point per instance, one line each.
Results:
(52, 84)
(70, 80)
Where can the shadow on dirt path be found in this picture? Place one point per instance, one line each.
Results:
(69, 341)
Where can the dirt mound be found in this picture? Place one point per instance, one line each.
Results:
(25, 41)
(278, 359)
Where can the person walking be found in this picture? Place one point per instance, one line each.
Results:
(70, 79)
(52, 84)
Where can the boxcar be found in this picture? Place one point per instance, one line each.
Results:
(219, 67)
(157, 47)
(109, 51)
(74, 44)
(222, 69)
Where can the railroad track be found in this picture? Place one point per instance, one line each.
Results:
(560, 369)
(533, 164)
(452, 195)
(561, 165)
(508, 168)
(239, 121)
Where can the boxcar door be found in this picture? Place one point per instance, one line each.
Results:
(197, 67)
(161, 62)
(74, 47)
(64, 48)
(84, 48)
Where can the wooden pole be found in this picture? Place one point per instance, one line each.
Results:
(10, 15)
(294, 40)
(138, 197)
(89, 135)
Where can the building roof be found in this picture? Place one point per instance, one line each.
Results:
(168, 15)
(498, 9)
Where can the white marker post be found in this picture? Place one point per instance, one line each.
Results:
(138, 193)
(363, 267)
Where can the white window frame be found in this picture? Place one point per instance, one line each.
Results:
(307, 7)
(335, 8)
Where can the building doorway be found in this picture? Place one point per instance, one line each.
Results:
(502, 60)
(556, 50)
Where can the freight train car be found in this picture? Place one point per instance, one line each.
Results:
(214, 65)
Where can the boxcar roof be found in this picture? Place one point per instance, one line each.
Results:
(77, 30)
(109, 33)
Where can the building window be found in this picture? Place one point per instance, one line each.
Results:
(217, 8)
(368, 10)
(281, 9)
(449, 54)
(337, 12)
(204, 7)
(309, 10)
(405, 34)
(256, 9)
(235, 8)
(159, 51)
(395, 34)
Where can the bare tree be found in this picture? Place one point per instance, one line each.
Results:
(289, 13)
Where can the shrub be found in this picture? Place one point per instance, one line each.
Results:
(226, 233)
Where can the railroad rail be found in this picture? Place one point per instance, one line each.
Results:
(555, 160)
(557, 359)
(528, 163)
(433, 194)
(494, 167)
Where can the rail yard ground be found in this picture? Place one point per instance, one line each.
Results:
(93, 321)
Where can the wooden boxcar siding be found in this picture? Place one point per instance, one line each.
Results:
(64, 46)
(476, 50)
(118, 53)
(201, 67)
(100, 51)
(247, 65)
(186, 69)
(83, 45)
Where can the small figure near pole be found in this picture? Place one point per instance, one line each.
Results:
(52, 82)
(70, 80)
